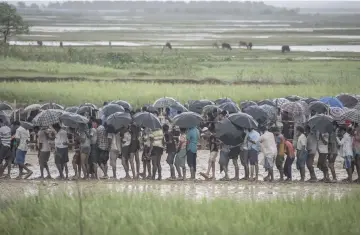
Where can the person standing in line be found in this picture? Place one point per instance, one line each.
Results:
(22, 138)
(234, 152)
(146, 155)
(85, 150)
(333, 151)
(290, 152)
(269, 149)
(356, 150)
(134, 149)
(253, 151)
(115, 151)
(224, 160)
(93, 157)
(126, 141)
(311, 147)
(103, 149)
(44, 151)
(170, 149)
(76, 162)
(301, 151)
(180, 159)
(322, 146)
(156, 149)
(244, 156)
(213, 148)
(5, 149)
(61, 151)
(192, 146)
(280, 141)
(346, 151)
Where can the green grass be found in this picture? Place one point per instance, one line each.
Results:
(146, 214)
(74, 93)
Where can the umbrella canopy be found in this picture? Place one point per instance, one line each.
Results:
(210, 108)
(198, 105)
(246, 104)
(5, 107)
(309, 100)
(348, 100)
(27, 125)
(124, 104)
(4, 118)
(73, 120)
(228, 133)
(230, 107)
(321, 123)
(93, 106)
(164, 102)
(148, 120)
(32, 107)
(280, 101)
(73, 109)
(293, 98)
(117, 121)
(267, 101)
(332, 102)
(257, 113)
(243, 120)
(336, 113)
(351, 114)
(51, 106)
(85, 109)
(271, 112)
(187, 120)
(179, 107)
(47, 117)
(293, 108)
(223, 100)
(318, 107)
(109, 109)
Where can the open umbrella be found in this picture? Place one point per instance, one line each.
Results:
(124, 104)
(243, 120)
(332, 102)
(86, 109)
(187, 120)
(228, 133)
(73, 120)
(198, 105)
(280, 101)
(347, 100)
(257, 113)
(5, 107)
(293, 98)
(51, 106)
(309, 100)
(351, 114)
(73, 109)
(230, 107)
(223, 100)
(246, 104)
(293, 108)
(210, 108)
(109, 109)
(179, 107)
(47, 117)
(271, 112)
(32, 107)
(318, 107)
(4, 118)
(321, 123)
(148, 120)
(164, 102)
(93, 106)
(267, 101)
(336, 113)
(117, 121)
(27, 125)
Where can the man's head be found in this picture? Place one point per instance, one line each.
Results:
(165, 128)
(275, 131)
(1, 122)
(300, 130)
(57, 127)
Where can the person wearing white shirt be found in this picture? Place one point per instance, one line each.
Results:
(44, 151)
(346, 151)
(269, 149)
(22, 138)
(115, 150)
(322, 146)
(61, 150)
(301, 152)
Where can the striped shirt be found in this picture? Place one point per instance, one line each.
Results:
(5, 135)
(102, 138)
(157, 136)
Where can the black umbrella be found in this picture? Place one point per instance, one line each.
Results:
(309, 100)
(230, 107)
(148, 120)
(349, 101)
(321, 123)
(117, 121)
(151, 108)
(32, 107)
(257, 113)
(243, 120)
(223, 100)
(51, 106)
(73, 120)
(109, 109)
(164, 102)
(210, 108)
(5, 107)
(318, 107)
(47, 117)
(228, 133)
(124, 104)
(27, 125)
(293, 98)
(179, 107)
(187, 120)
(267, 101)
(246, 104)
(93, 106)
(73, 109)
(198, 105)
(4, 118)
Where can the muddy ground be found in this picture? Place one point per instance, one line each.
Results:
(198, 189)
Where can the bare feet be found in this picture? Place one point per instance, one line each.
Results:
(28, 175)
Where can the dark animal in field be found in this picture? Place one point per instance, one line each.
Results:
(167, 45)
(215, 45)
(245, 44)
(110, 43)
(286, 48)
(61, 44)
(250, 45)
(226, 46)
(40, 43)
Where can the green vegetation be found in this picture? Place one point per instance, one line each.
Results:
(11, 23)
(148, 214)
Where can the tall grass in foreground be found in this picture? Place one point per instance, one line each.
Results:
(146, 214)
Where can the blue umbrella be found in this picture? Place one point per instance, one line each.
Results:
(332, 102)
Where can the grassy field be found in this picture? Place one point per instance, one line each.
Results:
(148, 214)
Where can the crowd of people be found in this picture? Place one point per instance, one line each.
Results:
(140, 151)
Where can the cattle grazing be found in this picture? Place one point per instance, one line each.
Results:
(245, 44)
(250, 45)
(61, 44)
(215, 45)
(40, 43)
(226, 46)
(286, 48)
(167, 45)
